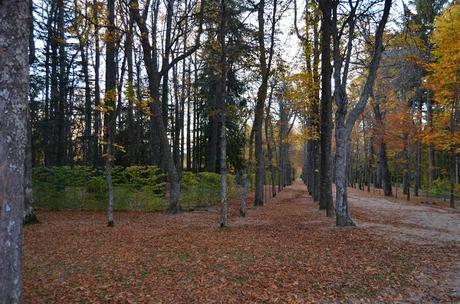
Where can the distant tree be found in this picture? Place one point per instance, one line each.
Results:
(445, 81)
(109, 108)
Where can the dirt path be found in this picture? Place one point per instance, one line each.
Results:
(416, 224)
(284, 252)
(419, 224)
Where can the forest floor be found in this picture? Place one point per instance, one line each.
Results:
(284, 252)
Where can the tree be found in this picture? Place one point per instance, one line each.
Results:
(14, 57)
(311, 48)
(221, 97)
(445, 81)
(344, 120)
(30, 216)
(109, 102)
(265, 67)
(325, 198)
(154, 75)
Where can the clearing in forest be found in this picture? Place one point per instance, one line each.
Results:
(284, 252)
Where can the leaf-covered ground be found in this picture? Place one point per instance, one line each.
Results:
(284, 252)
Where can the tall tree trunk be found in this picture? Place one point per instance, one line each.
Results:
(384, 177)
(155, 107)
(385, 171)
(195, 147)
(110, 97)
(268, 138)
(132, 140)
(189, 116)
(61, 117)
(221, 96)
(265, 66)
(325, 199)
(344, 122)
(247, 175)
(30, 216)
(14, 40)
(176, 130)
(455, 116)
(418, 152)
(316, 110)
(97, 91)
(370, 164)
(83, 49)
(54, 91)
(47, 122)
(167, 52)
(406, 170)
(431, 152)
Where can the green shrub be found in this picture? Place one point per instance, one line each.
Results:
(97, 185)
(135, 188)
(441, 188)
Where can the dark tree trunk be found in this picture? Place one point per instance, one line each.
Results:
(384, 177)
(431, 151)
(156, 121)
(371, 163)
(325, 199)
(30, 217)
(315, 153)
(406, 170)
(385, 172)
(213, 138)
(188, 127)
(195, 146)
(176, 130)
(221, 98)
(247, 175)
(47, 115)
(14, 42)
(265, 66)
(455, 116)
(259, 110)
(61, 144)
(83, 49)
(132, 140)
(54, 93)
(110, 97)
(268, 138)
(97, 92)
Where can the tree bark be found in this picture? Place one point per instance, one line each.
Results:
(221, 97)
(431, 152)
(384, 177)
(325, 199)
(406, 170)
(14, 57)
(265, 66)
(268, 138)
(259, 110)
(97, 91)
(30, 217)
(61, 144)
(132, 142)
(155, 107)
(344, 122)
(110, 96)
